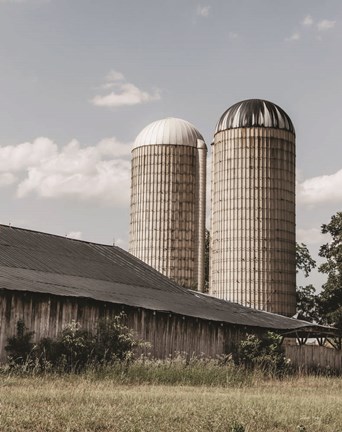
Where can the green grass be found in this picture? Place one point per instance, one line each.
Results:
(94, 402)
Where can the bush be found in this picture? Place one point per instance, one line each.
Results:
(75, 348)
(114, 340)
(265, 353)
(72, 350)
(20, 346)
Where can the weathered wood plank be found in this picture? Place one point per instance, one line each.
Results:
(314, 356)
(168, 334)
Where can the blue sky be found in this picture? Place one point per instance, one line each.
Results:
(79, 79)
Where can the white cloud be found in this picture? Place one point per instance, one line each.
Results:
(113, 147)
(18, 157)
(307, 21)
(123, 92)
(325, 25)
(203, 11)
(99, 173)
(294, 37)
(233, 35)
(77, 235)
(321, 189)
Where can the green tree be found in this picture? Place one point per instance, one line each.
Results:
(307, 309)
(330, 299)
(305, 295)
(304, 261)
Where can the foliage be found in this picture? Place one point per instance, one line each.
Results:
(264, 353)
(20, 346)
(304, 261)
(307, 303)
(114, 340)
(75, 348)
(330, 300)
(305, 295)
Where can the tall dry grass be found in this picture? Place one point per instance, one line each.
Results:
(82, 403)
(168, 396)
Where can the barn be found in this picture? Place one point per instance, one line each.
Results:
(48, 280)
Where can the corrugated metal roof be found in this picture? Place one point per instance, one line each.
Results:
(44, 263)
(172, 131)
(254, 113)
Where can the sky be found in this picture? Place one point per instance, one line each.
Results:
(79, 79)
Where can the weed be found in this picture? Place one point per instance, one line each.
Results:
(237, 427)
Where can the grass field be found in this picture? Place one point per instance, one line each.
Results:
(91, 403)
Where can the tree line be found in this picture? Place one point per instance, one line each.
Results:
(326, 306)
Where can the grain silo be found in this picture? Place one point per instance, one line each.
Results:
(252, 259)
(168, 181)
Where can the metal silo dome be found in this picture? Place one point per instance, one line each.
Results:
(169, 131)
(254, 113)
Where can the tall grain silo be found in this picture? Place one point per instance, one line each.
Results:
(252, 259)
(168, 185)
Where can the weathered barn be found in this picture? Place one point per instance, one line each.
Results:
(48, 280)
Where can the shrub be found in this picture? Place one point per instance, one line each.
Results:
(114, 340)
(265, 353)
(75, 348)
(20, 346)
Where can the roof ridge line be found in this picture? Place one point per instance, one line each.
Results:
(56, 235)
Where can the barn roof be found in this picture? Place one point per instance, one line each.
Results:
(44, 263)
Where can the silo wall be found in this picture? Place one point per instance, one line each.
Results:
(252, 259)
(164, 229)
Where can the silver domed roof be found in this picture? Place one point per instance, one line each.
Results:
(173, 131)
(254, 113)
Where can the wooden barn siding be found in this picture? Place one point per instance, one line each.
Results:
(168, 334)
(313, 356)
